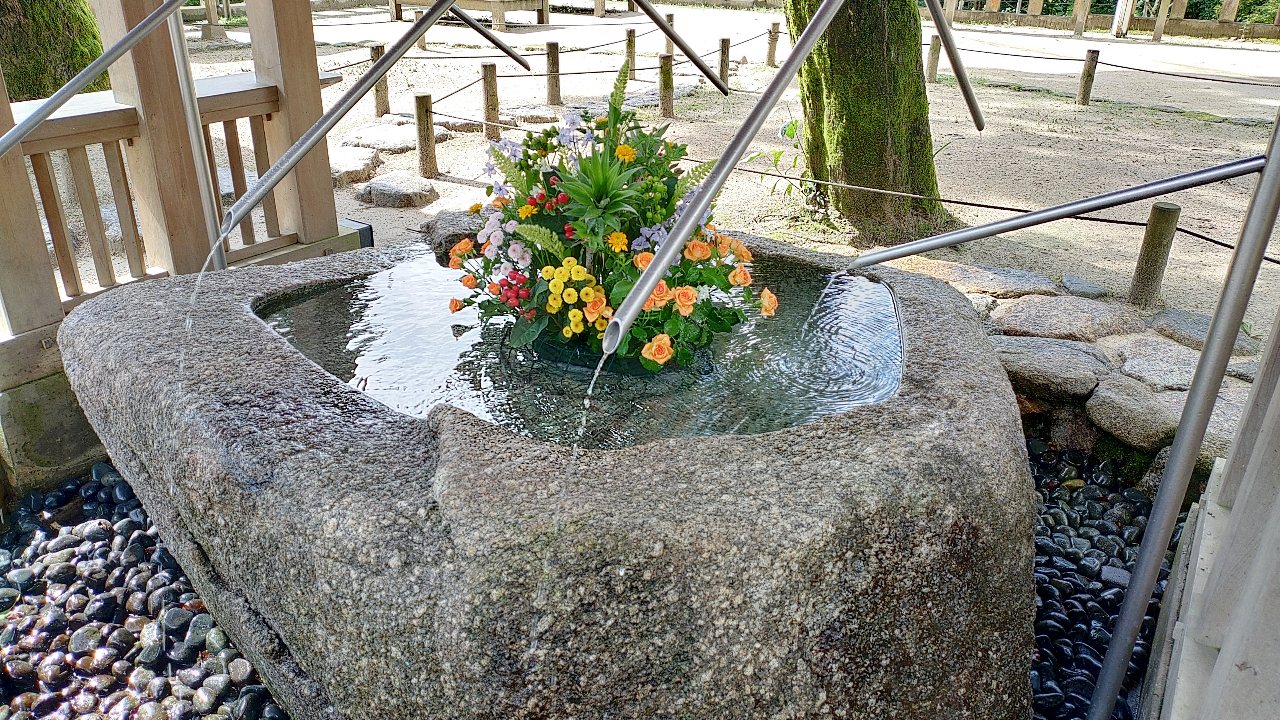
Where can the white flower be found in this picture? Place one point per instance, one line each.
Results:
(504, 269)
(483, 235)
(496, 237)
(511, 225)
(491, 251)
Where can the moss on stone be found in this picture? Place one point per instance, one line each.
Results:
(866, 116)
(44, 43)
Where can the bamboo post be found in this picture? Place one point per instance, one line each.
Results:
(935, 51)
(1080, 16)
(489, 74)
(1162, 16)
(671, 21)
(631, 53)
(666, 86)
(422, 39)
(1154, 256)
(382, 88)
(427, 166)
(553, 73)
(771, 59)
(1086, 77)
(724, 60)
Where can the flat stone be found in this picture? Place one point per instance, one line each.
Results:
(391, 139)
(399, 189)
(982, 303)
(1191, 329)
(1066, 318)
(1000, 283)
(442, 133)
(1134, 413)
(1077, 285)
(350, 165)
(533, 114)
(1044, 368)
(444, 230)
(1162, 363)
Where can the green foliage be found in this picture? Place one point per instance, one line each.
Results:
(599, 196)
(44, 43)
(690, 180)
(542, 238)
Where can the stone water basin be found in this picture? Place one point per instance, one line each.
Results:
(863, 550)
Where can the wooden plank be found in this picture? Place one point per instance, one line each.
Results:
(87, 196)
(266, 246)
(123, 197)
(284, 53)
(1230, 9)
(1035, 7)
(1262, 394)
(29, 356)
(28, 293)
(262, 161)
(235, 160)
(213, 176)
(56, 218)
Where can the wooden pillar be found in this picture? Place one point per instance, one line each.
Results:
(1157, 242)
(422, 39)
(771, 58)
(1162, 16)
(284, 52)
(671, 22)
(631, 53)
(1087, 74)
(1179, 9)
(724, 60)
(427, 166)
(1230, 9)
(993, 6)
(162, 166)
(666, 87)
(599, 9)
(382, 88)
(489, 75)
(553, 73)
(935, 52)
(396, 9)
(1123, 18)
(1278, 16)
(1035, 7)
(28, 293)
(211, 30)
(1080, 16)
(949, 11)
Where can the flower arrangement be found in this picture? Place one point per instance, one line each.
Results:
(577, 212)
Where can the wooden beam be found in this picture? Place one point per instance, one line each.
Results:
(123, 197)
(56, 218)
(28, 292)
(284, 53)
(87, 196)
(235, 162)
(30, 356)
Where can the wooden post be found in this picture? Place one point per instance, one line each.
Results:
(631, 5)
(1230, 9)
(1080, 16)
(993, 6)
(211, 30)
(396, 9)
(422, 39)
(935, 51)
(284, 52)
(775, 31)
(489, 74)
(1179, 9)
(553, 73)
(382, 88)
(161, 163)
(1277, 16)
(671, 21)
(949, 11)
(1086, 77)
(28, 293)
(599, 9)
(427, 166)
(666, 87)
(56, 218)
(1123, 18)
(724, 60)
(631, 53)
(1162, 16)
(1154, 257)
(1035, 7)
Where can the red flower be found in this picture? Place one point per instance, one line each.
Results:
(568, 230)
(533, 201)
(554, 181)
(562, 198)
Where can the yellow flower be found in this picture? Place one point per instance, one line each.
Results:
(602, 120)
(526, 211)
(577, 326)
(618, 241)
(553, 307)
(575, 315)
(587, 294)
(570, 296)
(476, 208)
(566, 331)
(625, 153)
(547, 272)
(561, 274)
(570, 261)
(557, 286)
(601, 324)
(578, 273)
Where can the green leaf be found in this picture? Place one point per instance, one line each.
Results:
(620, 292)
(693, 177)
(542, 238)
(524, 332)
(650, 365)
(619, 94)
(674, 325)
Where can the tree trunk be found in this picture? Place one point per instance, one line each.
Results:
(866, 116)
(44, 43)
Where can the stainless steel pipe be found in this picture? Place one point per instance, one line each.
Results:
(85, 77)
(957, 67)
(1259, 222)
(488, 35)
(679, 42)
(316, 134)
(1145, 191)
(689, 220)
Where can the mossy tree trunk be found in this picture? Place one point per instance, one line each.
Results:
(866, 116)
(44, 43)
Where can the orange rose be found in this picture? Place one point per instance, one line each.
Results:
(455, 305)
(494, 289)
(464, 246)
(686, 297)
(660, 297)
(658, 350)
(724, 245)
(768, 303)
(595, 308)
(485, 247)
(469, 282)
(455, 263)
(740, 276)
(500, 202)
(697, 250)
(741, 252)
(642, 260)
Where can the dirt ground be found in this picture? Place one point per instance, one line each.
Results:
(1039, 148)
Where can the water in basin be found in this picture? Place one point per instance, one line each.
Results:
(833, 345)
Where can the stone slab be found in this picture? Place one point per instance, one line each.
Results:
(1048, 369)
(392, 139)
(399, 189)
(1162, 363)
(1191, 329)
(350, 165)
(1077, 285)
(996, 282)
(448, 227)
(869, 564)
(1065, 318)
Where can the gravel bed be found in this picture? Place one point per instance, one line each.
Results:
(1087, 541)
(99, 622)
